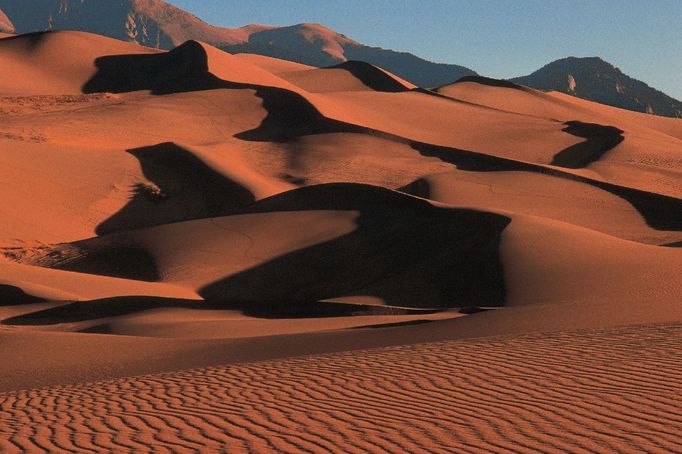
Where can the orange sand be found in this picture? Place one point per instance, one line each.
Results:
(194, 209)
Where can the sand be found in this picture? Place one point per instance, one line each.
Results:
(201, 250)
(604, 390)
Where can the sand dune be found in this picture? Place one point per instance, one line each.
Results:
(274, 65)
(55, 63)
(347, 76)
(196, 209)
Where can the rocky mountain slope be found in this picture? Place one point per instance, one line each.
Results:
(597, 80)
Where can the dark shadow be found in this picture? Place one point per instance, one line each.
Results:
(82, 311)
(125, 262)
(473, 310)
(289, 116)
(419, 188)
(490, 82)
(184, 188)
(675, 244)
(600, 139)
(185, 69)
(32, 40)
(394, 325)
(14, 296)
(371, 76)
(404, 251)
(660, 212)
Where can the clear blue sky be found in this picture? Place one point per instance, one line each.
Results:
(497, 38)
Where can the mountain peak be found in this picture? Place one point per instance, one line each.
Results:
(596, 79)
(6, 25)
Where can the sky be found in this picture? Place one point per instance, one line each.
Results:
(495, 38)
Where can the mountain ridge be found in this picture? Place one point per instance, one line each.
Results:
(158, 24)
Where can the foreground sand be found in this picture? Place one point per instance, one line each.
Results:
(603, 390)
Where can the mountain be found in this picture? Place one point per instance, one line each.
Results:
(597, 80)
(152, 23)
(155, 23)
(317, 45)
(6, 25)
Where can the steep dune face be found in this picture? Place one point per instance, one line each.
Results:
(196, 209)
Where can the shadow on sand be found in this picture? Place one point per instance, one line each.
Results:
(404, 251)
(184, 188)
(14, 296)
(371, 76)
(291, 115)
(83, 311)
(600, 139)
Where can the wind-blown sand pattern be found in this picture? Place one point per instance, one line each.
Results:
(608, 390)
(482, 266)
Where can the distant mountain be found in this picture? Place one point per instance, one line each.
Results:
(596, 80)
(155, 23)
(317, 45)
(152, 23)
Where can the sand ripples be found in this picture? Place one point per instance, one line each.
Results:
(614, 390)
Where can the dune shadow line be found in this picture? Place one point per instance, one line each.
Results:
(83, 311)
(183, 188)
(371, 76)
(186, 68)
(290, 115)
(15, 296)
(599, 140)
